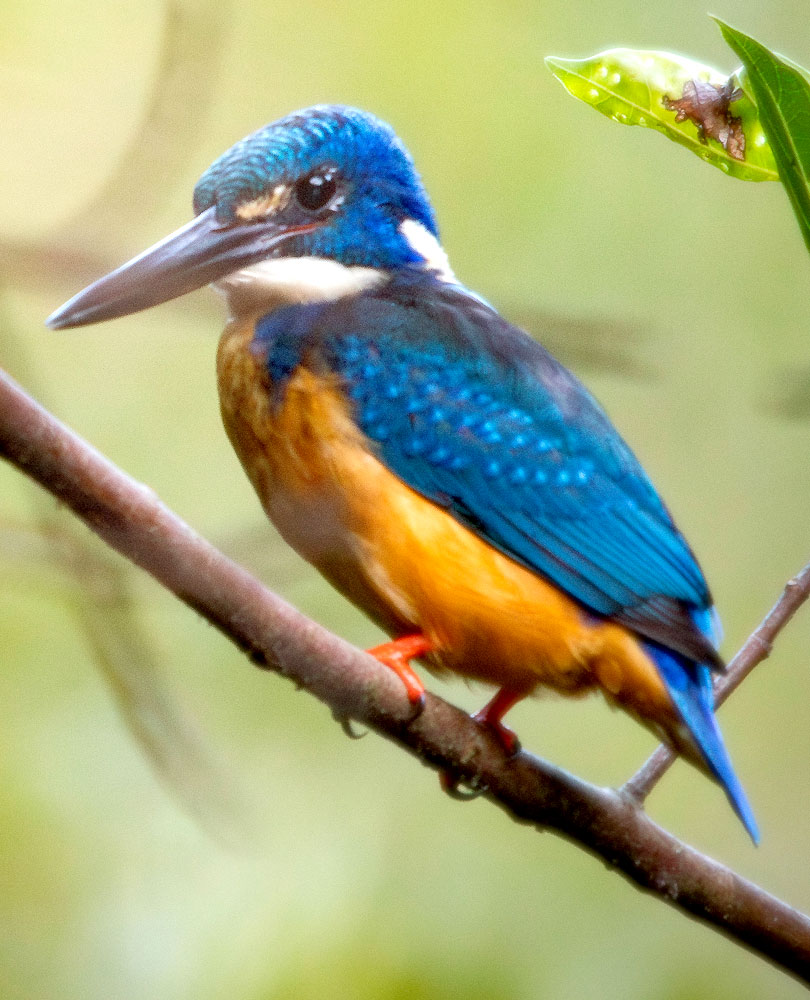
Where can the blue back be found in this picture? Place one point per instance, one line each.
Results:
(480, 419)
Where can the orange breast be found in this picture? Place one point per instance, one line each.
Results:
(408, 563)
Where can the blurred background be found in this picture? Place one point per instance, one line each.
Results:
(175, 824)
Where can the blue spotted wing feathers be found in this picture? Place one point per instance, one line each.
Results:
(472, 413)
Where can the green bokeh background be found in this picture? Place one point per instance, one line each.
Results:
(256, 853)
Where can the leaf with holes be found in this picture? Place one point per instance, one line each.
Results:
(692, 104)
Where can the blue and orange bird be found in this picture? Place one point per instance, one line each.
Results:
(434, 462)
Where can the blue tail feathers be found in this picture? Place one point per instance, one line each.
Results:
(690, 686)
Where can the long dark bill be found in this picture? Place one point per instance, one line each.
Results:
(200, 252)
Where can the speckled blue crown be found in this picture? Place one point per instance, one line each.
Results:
(365, 148)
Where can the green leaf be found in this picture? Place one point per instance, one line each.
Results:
(782, 92)
(633, 87)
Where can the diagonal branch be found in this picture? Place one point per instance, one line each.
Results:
(757, 647)
(606, 823)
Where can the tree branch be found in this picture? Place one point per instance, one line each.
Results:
(607, 823)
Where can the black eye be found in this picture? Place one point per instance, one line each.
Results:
(316, 190)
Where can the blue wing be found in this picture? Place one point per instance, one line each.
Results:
(479, 418)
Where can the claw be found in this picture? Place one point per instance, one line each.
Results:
(458, 789)
(396, 655)
(347, 725)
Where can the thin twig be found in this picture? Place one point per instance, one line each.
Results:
(758, 647)
(603, 822)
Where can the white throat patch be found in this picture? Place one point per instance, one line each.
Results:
(428, 247)
(287, 281)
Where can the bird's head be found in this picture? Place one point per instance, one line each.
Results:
(314, 205)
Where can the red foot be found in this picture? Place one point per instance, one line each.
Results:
(492, 713)
(397, 656)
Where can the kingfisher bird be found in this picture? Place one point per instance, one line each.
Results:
(434, 462)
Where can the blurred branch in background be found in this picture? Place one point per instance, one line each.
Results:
(604, 822)
(787, 394)
(181, 95)
(99, 592)
(599, 344)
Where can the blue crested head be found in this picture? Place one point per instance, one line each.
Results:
(325, 188)
(338, 166)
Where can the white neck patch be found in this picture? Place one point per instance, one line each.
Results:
(287, 281)
(428, 247)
